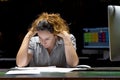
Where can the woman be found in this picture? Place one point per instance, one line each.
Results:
(48, 43)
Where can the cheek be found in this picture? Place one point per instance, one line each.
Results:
(50, 42)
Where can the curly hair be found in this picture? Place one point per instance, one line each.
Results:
(57, 22)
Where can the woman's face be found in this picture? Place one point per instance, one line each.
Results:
(47, 39)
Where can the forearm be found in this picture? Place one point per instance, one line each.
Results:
(70, 52)
(22, 55)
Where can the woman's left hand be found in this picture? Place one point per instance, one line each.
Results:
(64, 35)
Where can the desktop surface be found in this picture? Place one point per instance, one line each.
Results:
(104, 73)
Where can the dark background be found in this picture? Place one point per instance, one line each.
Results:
(17, 15)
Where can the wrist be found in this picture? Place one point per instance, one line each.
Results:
(68, 43)
(28, 36)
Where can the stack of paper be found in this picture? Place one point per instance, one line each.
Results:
(38, 70)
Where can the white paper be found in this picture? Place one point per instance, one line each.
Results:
(38, 70)
(23, 72)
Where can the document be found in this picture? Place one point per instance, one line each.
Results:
(23, 72)
(38, 70)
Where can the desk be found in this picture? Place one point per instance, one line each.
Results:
(76, 75)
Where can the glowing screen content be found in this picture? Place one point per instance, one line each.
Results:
(96, 37)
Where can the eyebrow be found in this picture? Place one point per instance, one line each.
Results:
(45, 38)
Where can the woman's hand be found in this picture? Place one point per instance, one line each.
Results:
(66, 38)
(64, 35)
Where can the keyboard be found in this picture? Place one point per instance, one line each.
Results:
(104, 68)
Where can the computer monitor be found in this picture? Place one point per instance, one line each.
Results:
(96, 38)
(114, 31)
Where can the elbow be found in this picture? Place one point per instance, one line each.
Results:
(20, 63)
(75, 63)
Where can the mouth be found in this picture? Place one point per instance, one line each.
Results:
(45, 46)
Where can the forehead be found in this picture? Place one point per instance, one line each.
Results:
(44, 33)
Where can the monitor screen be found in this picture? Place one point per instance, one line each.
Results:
(96, 38)
(114, 31)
